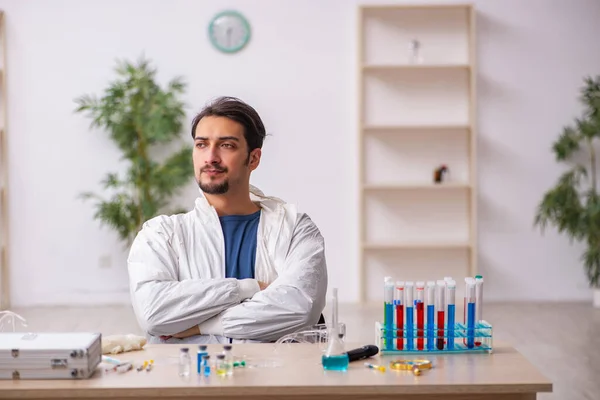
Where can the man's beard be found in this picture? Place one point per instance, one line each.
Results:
(215, 188)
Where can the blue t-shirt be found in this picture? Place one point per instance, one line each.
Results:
(240, 244)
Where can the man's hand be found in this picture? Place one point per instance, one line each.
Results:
(193, 331)
(263, 285)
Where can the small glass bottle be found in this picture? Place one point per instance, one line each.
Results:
(228, 359)
(184, 362)
(221, 365)
(202, 351)
(206, 365)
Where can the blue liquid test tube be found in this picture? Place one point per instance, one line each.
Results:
(451, 301)
(430, 315)
(410, 333)
(470, 300)
(388, 316)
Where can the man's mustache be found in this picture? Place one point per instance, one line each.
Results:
(214, 168)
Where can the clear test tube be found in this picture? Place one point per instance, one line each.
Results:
(479, 298)
(399, 310)
(478, 307)
(451, 301)
(430, 315)
(441, 313)
(420, 306)
(408, 304)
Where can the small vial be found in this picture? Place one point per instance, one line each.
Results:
(221, 365)
(206, 365)
(228, 359)
(184, 362)
(202, 351)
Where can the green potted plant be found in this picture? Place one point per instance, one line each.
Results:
(573, 204)
(139, 115)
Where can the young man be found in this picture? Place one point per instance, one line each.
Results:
(240, 265)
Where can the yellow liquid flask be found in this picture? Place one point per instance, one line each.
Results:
(335, 358)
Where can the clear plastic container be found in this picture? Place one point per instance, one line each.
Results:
(221, 365)
(228, 359)
(185, 362)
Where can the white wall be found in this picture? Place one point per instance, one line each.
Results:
(300, 73)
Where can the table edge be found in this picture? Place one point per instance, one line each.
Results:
(216, 391)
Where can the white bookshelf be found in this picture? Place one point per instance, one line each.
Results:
(4, 267)
(414, 117)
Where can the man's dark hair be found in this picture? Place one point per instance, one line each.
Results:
(235, 109)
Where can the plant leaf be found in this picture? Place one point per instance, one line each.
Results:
(137, 113)
(567, 144)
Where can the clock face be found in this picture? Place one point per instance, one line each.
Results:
(229, 31)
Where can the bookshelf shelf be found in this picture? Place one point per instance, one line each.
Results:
(416, 113)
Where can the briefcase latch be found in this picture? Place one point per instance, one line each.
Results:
(58, 363)
(14, 353)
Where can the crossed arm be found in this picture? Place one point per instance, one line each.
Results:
(239, 309)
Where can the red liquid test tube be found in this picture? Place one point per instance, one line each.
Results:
(399, 305)
(420, 305)
(441, 312)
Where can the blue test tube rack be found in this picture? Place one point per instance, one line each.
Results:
(482, 338)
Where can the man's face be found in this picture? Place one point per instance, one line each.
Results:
(221, 160)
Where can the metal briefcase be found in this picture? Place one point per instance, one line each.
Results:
(49, 355)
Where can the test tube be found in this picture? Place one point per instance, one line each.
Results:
(399, 305)
(410, 334)
(479, 298)
(465, 315)
(441, 307)
(420, 306)
(451, 300)
(389, 312)
(470, 300)
(478, 305)
(430, 314)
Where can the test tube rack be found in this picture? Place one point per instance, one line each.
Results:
(425, 340)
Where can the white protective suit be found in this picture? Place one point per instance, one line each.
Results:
(177, 276)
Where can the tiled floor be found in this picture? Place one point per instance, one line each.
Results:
(561, 340)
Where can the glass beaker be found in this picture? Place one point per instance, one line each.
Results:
(335, 357)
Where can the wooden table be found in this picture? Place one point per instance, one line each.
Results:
(293, 371)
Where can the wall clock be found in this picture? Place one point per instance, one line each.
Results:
(229, 31)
